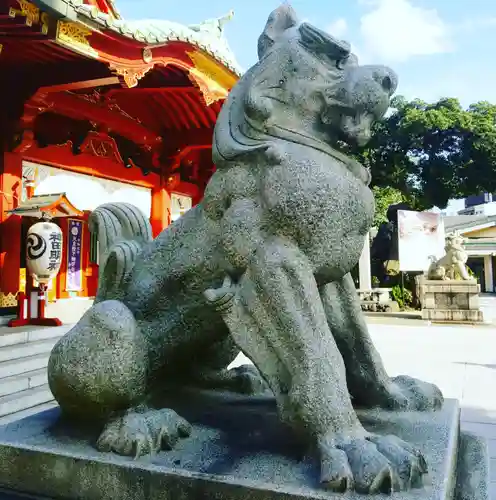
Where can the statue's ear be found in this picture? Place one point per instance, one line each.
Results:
(283, 18)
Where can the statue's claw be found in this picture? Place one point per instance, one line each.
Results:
(371, 464)
(136, 434)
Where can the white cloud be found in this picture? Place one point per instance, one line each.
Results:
(338, 28)
(396, 30)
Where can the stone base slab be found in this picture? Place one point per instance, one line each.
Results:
(453, 316)
(238, 451)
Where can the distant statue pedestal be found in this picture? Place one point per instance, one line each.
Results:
(377, 300)
(454, 301)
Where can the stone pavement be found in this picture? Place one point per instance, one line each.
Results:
(461, 360)
(488, 306)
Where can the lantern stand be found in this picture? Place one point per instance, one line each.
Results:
(31, 305)
(31, 309)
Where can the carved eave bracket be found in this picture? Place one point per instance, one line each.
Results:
(75, 36)
(101, 145)
(32, 109)
(213, 80)
(130, 75)
(28, 10)
(210, 90)
(32, 14)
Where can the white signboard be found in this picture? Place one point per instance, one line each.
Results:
(420, 237)
(180, 204)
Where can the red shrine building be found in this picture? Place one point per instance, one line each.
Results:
(98, 109)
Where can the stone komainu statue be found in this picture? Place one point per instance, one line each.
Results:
(263, 265)
(453, 264)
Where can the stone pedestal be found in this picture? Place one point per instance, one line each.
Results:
(449, 300)
(238, 450)
(377, 300)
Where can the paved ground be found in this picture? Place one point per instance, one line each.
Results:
(460, 360)
(488, 306)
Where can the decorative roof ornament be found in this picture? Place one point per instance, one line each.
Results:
(207, 35)
(213, 27)
(110, 7)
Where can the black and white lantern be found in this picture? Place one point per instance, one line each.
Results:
(44, 251)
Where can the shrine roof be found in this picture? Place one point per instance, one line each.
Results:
(55, 205)
(206, 36)
(467, 222)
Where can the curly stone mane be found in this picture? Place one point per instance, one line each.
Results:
(314, 88)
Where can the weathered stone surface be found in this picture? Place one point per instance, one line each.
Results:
(472, 480)
(239, 451)
(450, 300)
(262, 264)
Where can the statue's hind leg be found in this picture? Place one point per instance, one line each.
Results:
(98, 373)
(277, 318)
(210, 370)
(367, 379)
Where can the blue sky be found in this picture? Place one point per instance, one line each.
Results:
(439, 48)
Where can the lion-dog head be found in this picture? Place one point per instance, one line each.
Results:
(307, 88)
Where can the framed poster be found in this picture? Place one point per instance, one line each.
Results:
(74, 276)
(420, 237)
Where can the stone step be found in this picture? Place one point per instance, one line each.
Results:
(23, 381)
(23, 365)
(14, 336)
(22, 400)
(19, 351)
(4, 320)
(19, 415)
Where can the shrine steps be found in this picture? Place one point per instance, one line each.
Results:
(12, 404)
(24, 354)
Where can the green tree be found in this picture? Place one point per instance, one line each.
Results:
(384, 198)
(433, 152)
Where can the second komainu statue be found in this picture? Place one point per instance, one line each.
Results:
(261, 264)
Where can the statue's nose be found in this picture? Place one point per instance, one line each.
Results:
(386, 78)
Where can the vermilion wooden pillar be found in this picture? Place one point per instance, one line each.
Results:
(161, 210)
(10, 225)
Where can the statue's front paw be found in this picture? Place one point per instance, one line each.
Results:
(403, 393)
(371, 464)
(409, 393)
(143, 433)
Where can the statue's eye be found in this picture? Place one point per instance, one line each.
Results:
(282, 82)
(341, 63)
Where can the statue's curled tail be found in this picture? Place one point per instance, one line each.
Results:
(122, 230)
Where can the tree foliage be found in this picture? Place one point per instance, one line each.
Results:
(384, 198)
(430, 153)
